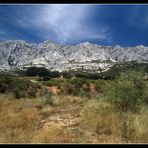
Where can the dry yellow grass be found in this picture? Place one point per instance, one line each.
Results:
(17, 125)
(54, 134)
(100, 117)
(46, 111)
(59, 100)
(94, 121)
(18, 128)
(141, 126)
(112, 126)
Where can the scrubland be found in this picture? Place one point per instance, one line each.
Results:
(81, 111)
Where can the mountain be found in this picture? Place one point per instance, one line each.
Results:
(19, 54)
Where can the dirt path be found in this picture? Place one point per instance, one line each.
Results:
(65, 117)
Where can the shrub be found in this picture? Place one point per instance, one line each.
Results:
(19, 87)
(54, 74)
(37, 71)
(66, 74)
(46, 78)
(82, 92)
(33, 89)
(126, 92)
(67, 88)
(32, 92)
(6, 83)
(20, 72)
(42, 71)
(22, 84)
(99, 85)
(17, 94)
(48, 98)
(32, 71)
(78, 82)
(53, 82)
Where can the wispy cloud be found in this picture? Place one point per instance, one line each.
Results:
(61, 23)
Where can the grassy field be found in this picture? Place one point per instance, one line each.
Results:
(83, 111)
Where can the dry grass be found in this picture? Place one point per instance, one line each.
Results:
(100, 117)
(54, 134)
(98, 121)
(141, 126)
(18, 128)
(17, 124)
(114, 127)
(46, 111)
(59, 100)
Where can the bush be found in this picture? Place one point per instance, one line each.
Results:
(126, 92)
(53, 82)
(37, 71)
(78, 82)
(19, 87)
(20, 72)
(99, 85)
(22, 84)
(74, 88)
(66, 74)
(67, 88)
(48, 98)
(46, 78)
(32, 71)
(17, 94)
(54, 74)
(6, 83)
(32, 92)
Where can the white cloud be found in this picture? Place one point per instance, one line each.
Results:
(63, 22)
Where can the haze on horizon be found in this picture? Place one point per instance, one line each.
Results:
(124, 25)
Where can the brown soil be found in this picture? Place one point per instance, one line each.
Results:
(54, 90)
(92, 87)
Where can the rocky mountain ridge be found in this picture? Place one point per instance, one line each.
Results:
(86, 56)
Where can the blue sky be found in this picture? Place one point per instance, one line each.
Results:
(124, 25)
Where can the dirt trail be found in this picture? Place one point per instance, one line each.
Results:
(64, 117)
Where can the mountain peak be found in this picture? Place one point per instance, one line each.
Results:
(117, 46)
(85, 44)
(47, 42)
(140, 46)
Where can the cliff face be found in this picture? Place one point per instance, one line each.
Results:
(86, 56)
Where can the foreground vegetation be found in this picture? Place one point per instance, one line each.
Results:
(84, 110)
